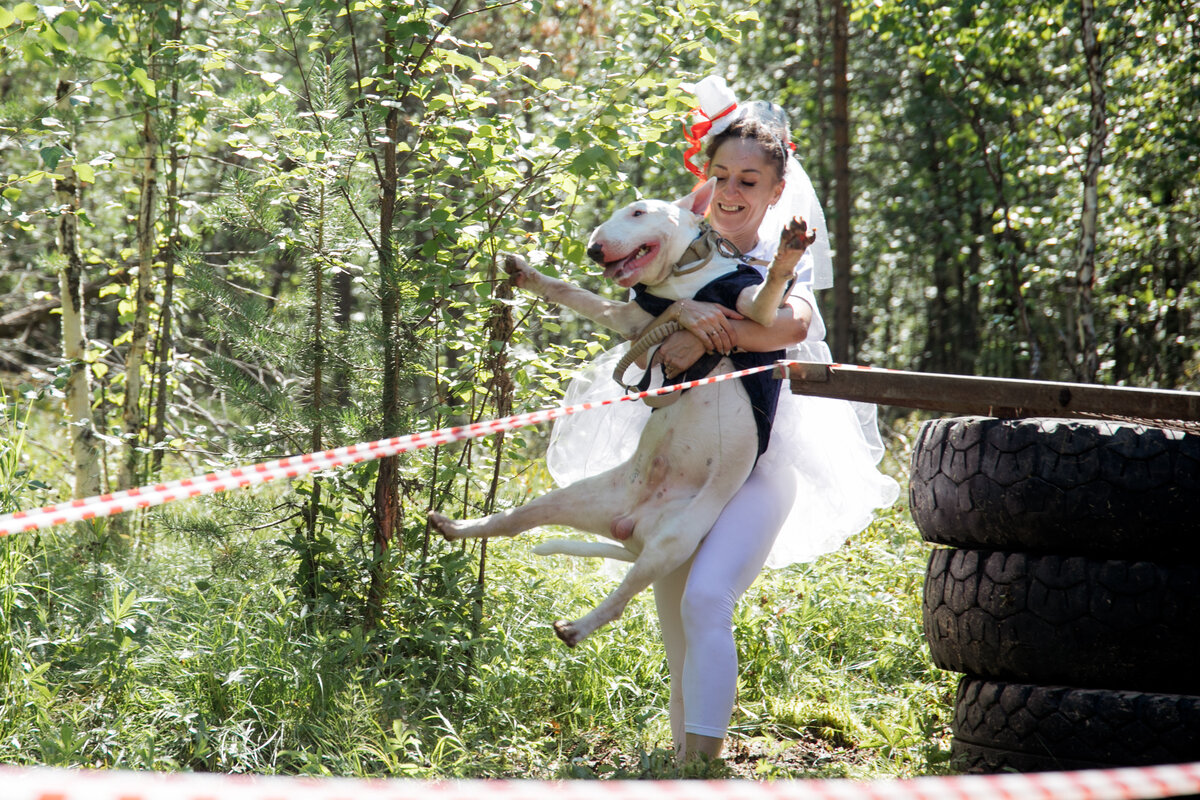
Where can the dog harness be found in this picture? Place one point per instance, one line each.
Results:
(704, 247)
(761, 388)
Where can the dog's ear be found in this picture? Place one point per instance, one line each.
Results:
(697, 202)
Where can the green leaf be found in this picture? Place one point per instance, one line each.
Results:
(110, 87)
(53, 38)
(51, 156)
(26, 12)
(139, 75)
(6, 18)
(86, 173)
(35, 53)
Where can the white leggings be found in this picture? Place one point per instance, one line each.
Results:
(695, 604)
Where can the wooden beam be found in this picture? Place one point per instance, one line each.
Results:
(990, 397)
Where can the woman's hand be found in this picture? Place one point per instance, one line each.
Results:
(709, 322)
(678, 352)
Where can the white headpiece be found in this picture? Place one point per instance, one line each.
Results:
(719, 108)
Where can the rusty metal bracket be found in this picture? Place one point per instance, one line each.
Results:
(991, 397)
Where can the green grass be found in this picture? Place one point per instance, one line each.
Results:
(190, 650)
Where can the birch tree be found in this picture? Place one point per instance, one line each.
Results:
(86, 449)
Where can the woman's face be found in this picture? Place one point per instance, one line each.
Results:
(747, 185)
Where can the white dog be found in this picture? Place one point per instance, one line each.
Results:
(692, 455)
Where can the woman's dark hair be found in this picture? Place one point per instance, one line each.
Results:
(762, 122)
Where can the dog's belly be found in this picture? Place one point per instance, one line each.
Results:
(704, 443)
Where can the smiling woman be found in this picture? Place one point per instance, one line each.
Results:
(815, 485)
(748, 184)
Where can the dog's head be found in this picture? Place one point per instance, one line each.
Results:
(642, 242)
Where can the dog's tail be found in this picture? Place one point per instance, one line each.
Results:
(573, 547)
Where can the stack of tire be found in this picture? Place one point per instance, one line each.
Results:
(1067, 590)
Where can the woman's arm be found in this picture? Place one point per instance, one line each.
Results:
(682, 349)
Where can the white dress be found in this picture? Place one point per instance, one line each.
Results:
(830, 447)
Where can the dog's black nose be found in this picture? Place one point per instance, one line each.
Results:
(596, 253)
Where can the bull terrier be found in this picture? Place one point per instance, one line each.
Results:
(693, 455)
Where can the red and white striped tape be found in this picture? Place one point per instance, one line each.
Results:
(1134, 783)
(106, 505)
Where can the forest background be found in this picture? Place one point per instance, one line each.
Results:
(231, 231)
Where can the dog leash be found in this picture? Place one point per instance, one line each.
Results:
(659, 330)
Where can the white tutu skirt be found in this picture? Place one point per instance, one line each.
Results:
(830, 447)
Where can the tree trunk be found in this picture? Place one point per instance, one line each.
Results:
(161, 390)
(843, 296)
(86, 450)
(1088, 363)
(309, 579)
(343, 291)
(501, 329)
(131, 418)
(386, 496)
(821, 126)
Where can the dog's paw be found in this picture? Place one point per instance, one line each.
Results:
(794, 240)
(518, 269)
(443, 525)
(567, 632)
(796, 235)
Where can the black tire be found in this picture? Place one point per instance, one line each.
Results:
(977, 759)
(1074, 487)
(1010, 726)
(1072, 621)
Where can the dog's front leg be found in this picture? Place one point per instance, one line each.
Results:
(587, 505)
(761, 302)
(627, 319)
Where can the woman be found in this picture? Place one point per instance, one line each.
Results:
(816, 484)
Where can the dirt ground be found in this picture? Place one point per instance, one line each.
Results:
(802, 755)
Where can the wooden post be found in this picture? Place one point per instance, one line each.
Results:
(992, 397)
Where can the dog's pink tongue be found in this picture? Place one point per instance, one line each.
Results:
(615, 268)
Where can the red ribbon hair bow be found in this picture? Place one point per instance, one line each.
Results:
(697, 132)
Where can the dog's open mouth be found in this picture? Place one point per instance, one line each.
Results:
(624, 271)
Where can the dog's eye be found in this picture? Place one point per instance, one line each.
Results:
(637, 212)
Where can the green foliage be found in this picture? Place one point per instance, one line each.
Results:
(336, 182)
(195, 656)
(975, 178)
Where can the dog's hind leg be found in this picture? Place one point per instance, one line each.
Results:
(679, 531)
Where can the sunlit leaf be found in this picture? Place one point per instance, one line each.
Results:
(143, 80)
(110, 87)
(26, 12)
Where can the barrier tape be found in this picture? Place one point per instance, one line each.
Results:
(1133, 783)
(41, 783)
(106, 505)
